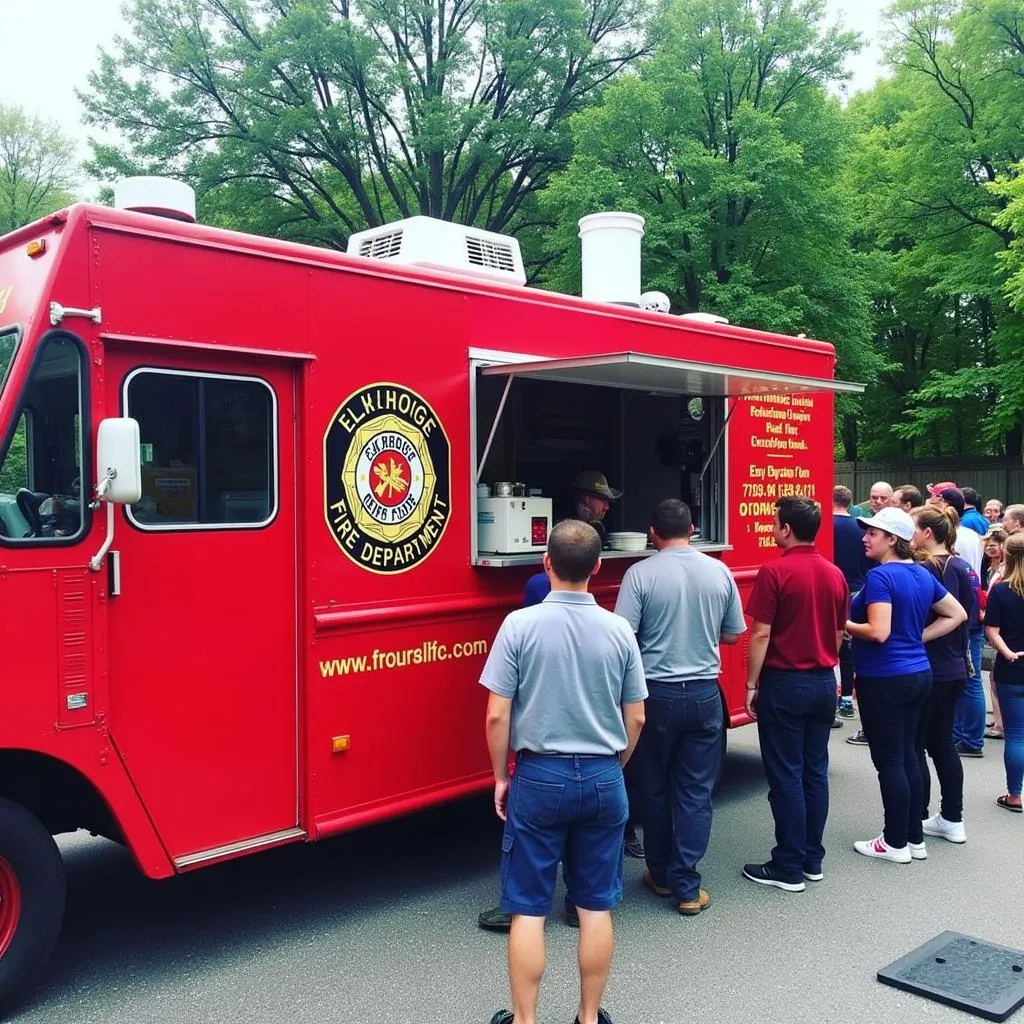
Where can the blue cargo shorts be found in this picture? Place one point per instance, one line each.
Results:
(571, 808)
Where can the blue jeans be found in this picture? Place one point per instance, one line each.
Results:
(795, 711)
(969, 727)
(890, 708)
(568, 808)
(1011, 704)
(678, 758)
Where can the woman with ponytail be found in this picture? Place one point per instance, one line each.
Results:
(1004, 624)
(889, 625)
(934, 537)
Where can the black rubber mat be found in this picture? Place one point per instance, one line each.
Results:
(961, 971)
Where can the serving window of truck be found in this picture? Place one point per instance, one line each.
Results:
(655, 425)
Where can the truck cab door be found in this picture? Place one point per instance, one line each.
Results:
(202, 633)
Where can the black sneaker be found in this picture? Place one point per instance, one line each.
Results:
(846, 709)
(603, 1017)
(495, 920)
(965, 751)
(813, 872)
(858, 739)
(633, 844)
(764, 874)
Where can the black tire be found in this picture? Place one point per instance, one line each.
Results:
(29, 857)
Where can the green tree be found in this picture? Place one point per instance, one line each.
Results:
(315, 118)
(933, 141)
(37, 168)
(1011, 219)
(728, 144)
(14, 470)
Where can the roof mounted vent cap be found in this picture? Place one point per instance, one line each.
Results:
(161, 197)
(657, 302)
(704, 318)
(441, 245)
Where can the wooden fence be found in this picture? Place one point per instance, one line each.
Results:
(992, 477)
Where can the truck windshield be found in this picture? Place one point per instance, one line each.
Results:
(41, 494)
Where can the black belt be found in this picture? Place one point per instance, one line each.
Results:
(684, 683)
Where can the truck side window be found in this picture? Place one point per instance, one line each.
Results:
(209, 449)
(41, 471)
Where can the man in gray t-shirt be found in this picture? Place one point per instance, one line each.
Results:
(682, 605)
(566, 693)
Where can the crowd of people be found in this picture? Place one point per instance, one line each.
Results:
(970, 550)
(895, 622)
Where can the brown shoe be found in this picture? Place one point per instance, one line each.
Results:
(658, 890)
(691, 907)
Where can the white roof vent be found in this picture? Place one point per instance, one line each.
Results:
(163, 197)
(441, 245)
(611, 256)
(704, 318)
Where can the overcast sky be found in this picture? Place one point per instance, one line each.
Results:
(49, 47)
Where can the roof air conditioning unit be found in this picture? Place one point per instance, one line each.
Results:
(441, 245)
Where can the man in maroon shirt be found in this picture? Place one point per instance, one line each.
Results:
(798, 605)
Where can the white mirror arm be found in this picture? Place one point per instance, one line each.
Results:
(96, 562)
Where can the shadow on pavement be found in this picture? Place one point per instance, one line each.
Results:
(124, 929)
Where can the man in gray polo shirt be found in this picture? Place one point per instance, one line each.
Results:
(682, 604)
(566, 693)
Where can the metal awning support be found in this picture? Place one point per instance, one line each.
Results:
(665, 375)
(494, 427)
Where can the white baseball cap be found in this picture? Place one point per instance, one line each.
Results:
(891, 520)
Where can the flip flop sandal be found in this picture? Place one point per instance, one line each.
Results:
(1003, 801)
(991, 734)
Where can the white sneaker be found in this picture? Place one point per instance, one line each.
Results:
(879, 848)
(917, 851)
(952, 831)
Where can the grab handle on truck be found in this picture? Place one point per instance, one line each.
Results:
(120, 462)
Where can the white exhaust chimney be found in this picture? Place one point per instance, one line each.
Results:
(611, 257)
(162, 197)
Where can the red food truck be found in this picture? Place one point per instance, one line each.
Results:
(263, 507)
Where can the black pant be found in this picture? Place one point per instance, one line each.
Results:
(846, 668)
(795, 711)
(890, 709)
(935, 734)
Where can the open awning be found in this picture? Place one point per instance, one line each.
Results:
(640, 372)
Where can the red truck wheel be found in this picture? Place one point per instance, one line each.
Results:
(31, 897)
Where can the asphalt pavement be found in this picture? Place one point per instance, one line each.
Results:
(379, 927)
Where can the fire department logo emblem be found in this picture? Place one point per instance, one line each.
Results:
(387, 479)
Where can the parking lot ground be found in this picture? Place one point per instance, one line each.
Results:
(379, 927)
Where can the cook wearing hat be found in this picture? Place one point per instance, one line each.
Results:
(592, 497)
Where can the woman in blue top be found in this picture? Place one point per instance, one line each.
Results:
(887, 623)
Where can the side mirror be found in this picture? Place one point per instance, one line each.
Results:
(118, 461)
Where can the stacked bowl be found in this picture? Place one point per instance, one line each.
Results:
(627, 541)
